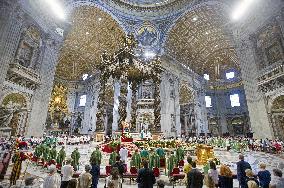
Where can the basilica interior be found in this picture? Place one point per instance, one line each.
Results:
(199, 78)
(171, 67)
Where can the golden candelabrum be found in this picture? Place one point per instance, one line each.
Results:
(204, 154)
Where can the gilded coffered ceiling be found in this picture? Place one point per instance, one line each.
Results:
(199, 41)
(92, 32)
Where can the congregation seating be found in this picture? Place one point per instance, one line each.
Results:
(176, 176)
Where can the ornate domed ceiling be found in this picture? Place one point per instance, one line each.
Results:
(199, 41)
(147, 2)
(92, 32)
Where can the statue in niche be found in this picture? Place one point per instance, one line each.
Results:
(173, 124)
(25, 55)
(274, 53)
(78, 124)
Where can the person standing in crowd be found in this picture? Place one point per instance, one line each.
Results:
(225, 177)
(67, 172)
(119, 164)
(146, 178)
(96, 156)
(213, 173)
(114, 180)
(279, 180)
(29, 182)
(194, 177)
(264, 176)
(242, 165)
(123, 153)
(85, 179)
(95, 172)
(72, 183)
(251, 181)
(61, 156)
(75, 155)
(52, 180)
(188, 166)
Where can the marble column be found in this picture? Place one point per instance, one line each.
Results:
(11, 21)
(115, 105)
(42, 94)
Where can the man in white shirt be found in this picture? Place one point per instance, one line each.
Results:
(123, 152)
(67, 172)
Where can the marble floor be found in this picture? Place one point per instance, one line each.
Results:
(229, 158)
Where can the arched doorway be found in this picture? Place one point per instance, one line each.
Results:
(13, 114)
(277, 117)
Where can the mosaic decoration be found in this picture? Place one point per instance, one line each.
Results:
(198, 40)
(92, 32)
(278, 104)
(147, 35)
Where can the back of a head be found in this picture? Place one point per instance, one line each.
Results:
(72, 183)
(212, 165)
(114, 173)
(225, 171)
(249, 173)
(241, 157)
(277, 172)
(52, 169)
(117, 158)
(189, 159)
(145, 164)
(193, 164)
(29, 181)
(88, 168)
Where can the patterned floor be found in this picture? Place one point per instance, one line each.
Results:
(230, 158)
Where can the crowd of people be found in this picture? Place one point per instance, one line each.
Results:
(146, 159)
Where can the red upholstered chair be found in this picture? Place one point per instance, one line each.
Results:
(133, 170)
(163, 163)
(156, 172)
(108, 170)
(175, 171)
(181, 163)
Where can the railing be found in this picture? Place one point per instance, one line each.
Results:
(25, 72)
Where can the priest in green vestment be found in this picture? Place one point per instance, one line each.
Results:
(154, 160)
(112, 158)
(96, 156)
(136, 159)
(75, 155)
(171, 163)
(144, 154)
(61, 156)
(161, 152)
(180, 154)
(53, 153)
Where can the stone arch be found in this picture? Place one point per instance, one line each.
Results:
(277, 116)
(13, 114)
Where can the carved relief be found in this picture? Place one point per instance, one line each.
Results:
(28, 48)
(274, 52)
(268, 42)
(13, 113)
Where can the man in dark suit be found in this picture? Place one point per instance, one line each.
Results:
(146, 178)
(242, 165)
(194, 177)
